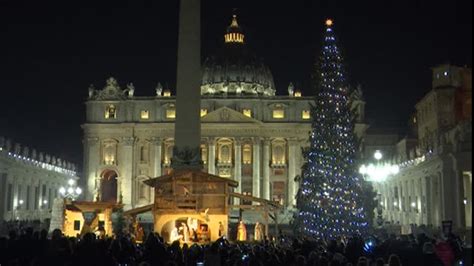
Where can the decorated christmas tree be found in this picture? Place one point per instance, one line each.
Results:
(330, 199)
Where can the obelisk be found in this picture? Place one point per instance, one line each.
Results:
(187, 154)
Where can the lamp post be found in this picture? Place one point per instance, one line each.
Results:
(72, 191)
(378, 173)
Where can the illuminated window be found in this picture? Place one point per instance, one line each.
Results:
(145, 115)
(306, 115)
(247, 112)
(247, 154)
(171, 112)
(203, 112)
(279, 113)
(77, 225)
(278, 153)
(110, 112)
(204, 153)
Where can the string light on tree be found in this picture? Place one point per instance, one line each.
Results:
(330, 200)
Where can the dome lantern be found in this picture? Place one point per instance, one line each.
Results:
(234, 32)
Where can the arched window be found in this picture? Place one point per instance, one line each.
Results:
(204, 153)
(225, 151)
(108, 186)
(279, 152)
(169, 153)
(225, 154)
(247, 154)
(144, 153)
(109, 152)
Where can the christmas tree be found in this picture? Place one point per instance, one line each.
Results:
(329, 201)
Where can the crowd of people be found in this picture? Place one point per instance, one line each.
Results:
(29, 247)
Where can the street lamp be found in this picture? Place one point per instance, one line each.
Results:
(378, 172)
(72, 191)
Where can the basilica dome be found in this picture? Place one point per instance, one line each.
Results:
(234, 70)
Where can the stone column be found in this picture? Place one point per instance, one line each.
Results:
(125, 184)
(292, 165)
(256, 167)
(91, 161)
(238, 167)
(157, 144)
(266, 169)
(212, 156)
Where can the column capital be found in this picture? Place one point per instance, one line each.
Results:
(238, 141)
(211, 141)
(128, 141)
(156, 141)
(256, 140)
(266, 141)
(91, 140)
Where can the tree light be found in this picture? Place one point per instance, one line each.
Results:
(329, 22)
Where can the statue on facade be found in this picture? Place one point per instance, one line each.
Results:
(159, 90)
(291, 89)
(17, 149)
(241, 232)
(34, 154)
(2, 142)
(26, 152)
(130, 90)
(91, 91)
(8, 145)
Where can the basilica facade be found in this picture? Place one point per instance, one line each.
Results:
(249, 133)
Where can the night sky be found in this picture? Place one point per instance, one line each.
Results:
(51, 51)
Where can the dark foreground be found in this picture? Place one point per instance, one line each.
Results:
(35, 248)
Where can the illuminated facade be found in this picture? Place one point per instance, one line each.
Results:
(30, 181)
(249, 134)
(435, 179)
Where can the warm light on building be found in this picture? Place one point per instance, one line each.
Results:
(233, 34)
(110, 112)
(306, 115)
(247, 112)
(145, 115)
(171, 113)
(278, 113)
(203, 112)
(298, 94)
(167, 93)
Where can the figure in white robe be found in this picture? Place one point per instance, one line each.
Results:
(174, 236)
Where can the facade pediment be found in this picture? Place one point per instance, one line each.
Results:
(227, 115)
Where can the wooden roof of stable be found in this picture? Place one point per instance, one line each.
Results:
(87, 206)
(259, 200)
(202, 176)
(138, 210)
